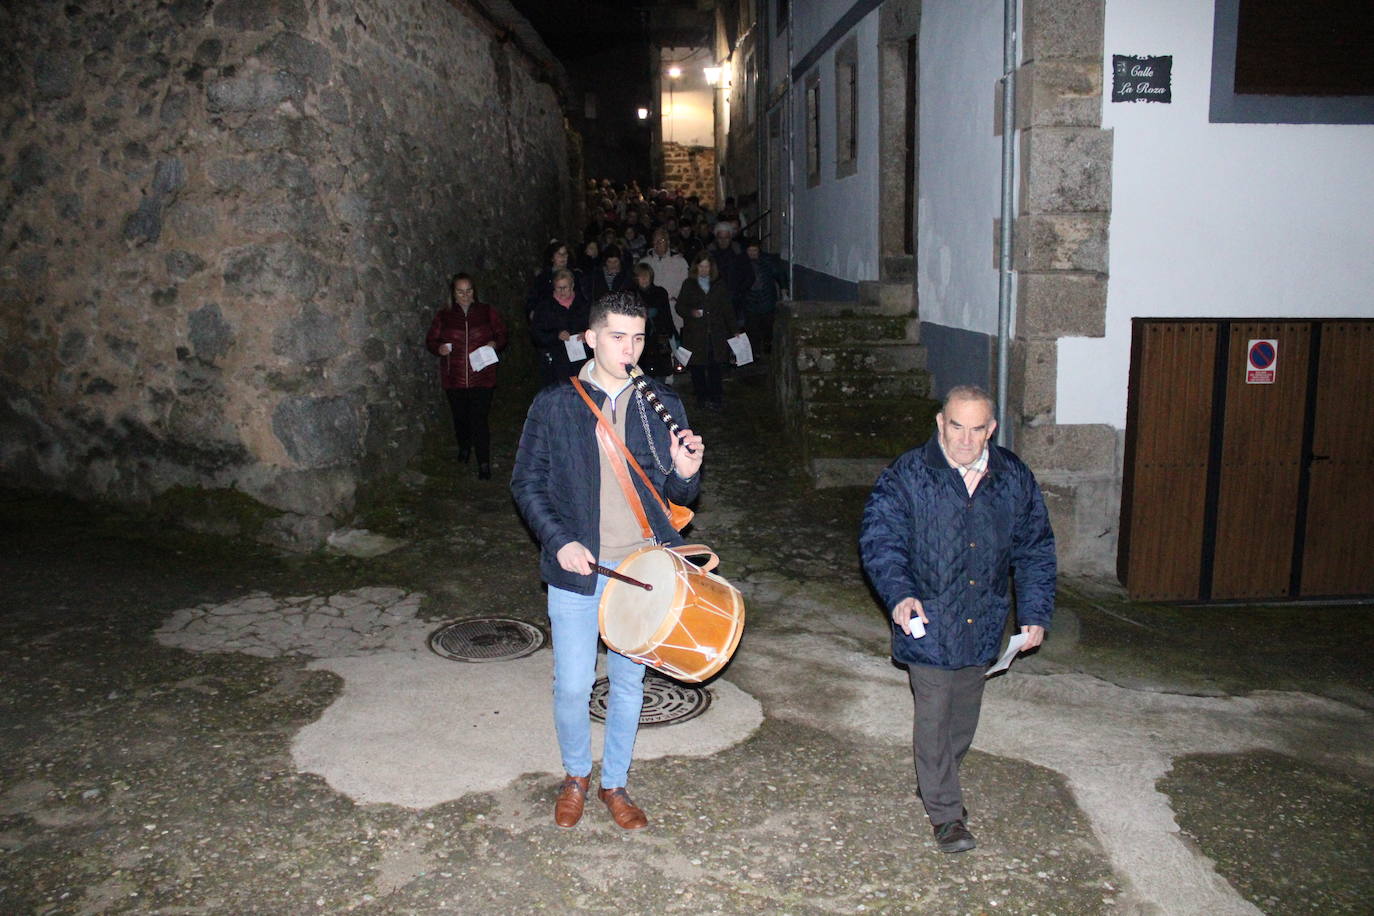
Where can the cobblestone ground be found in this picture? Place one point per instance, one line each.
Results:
(152, 684)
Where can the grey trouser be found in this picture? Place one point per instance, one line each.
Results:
(947, 707)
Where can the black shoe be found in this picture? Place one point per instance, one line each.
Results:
(953, 837)
(484, 472)
(463, 455)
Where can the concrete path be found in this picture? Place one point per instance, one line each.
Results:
(413, 729)
(196, 726)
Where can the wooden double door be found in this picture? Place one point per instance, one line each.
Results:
(1242, 485)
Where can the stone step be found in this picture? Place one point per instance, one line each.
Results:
(888, 298)
(837, 331)
(813, 308)
(877, 416)
(861, 387)
(846, 472)
(895, 356)
(899, 268)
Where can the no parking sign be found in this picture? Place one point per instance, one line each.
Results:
(1262, 362)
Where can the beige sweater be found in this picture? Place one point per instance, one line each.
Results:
(620, 531)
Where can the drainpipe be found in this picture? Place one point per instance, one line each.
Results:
(1004, 271)
(761, 69)
(787, 133)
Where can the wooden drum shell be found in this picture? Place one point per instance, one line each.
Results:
(687, 628)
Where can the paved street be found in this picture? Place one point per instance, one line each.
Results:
(193, 725)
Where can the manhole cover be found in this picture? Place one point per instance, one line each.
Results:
(486, 639)
(666, 702)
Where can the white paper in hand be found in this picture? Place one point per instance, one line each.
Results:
(482, 357)
(575, 349)
(1013, 646)
(684, 355)
(744, 351)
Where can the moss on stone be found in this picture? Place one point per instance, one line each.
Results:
(215, 511)
(868, 429)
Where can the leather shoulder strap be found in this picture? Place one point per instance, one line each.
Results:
(608, 440)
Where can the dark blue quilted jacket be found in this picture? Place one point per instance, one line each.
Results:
(924, 537)
(557, 476)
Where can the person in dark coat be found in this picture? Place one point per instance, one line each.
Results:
(707, 326)
(943, 529)
(611, 278)
(761, 304)
(686, 243)
(563, 484)
(658, 343)
(555, 259)
(735, 268)
(557, 319)
(454, 335)
(588, 262)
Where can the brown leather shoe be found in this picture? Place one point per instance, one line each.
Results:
(572, 795)
(624, 812)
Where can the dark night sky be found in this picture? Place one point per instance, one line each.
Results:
(606, 47)
(574, 30)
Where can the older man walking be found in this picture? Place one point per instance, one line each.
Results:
(944, 528)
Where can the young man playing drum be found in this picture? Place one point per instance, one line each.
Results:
(570, 497)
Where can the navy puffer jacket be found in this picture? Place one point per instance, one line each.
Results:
(557, 477)
(924, 537)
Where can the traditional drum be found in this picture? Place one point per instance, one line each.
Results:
(690, 623)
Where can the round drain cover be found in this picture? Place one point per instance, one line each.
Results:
(666, 702)
(486, 639)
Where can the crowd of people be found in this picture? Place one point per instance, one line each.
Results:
(653, 245)
(701, 281)
(662, 283)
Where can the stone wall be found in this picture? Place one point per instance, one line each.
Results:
(1061, 263)
(692, 168)
(226, 226)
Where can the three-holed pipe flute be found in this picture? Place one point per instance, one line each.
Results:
(641, 383)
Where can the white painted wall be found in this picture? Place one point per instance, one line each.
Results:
(811, 19)
(960, 163)
(836, 228)
(1224, 220)
(686, 103)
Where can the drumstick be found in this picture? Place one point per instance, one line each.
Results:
(642, 386)
(611, 573)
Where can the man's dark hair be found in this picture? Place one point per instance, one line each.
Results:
(621, 303)
(610, 251)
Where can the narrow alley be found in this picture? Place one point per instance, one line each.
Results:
(1149, 759)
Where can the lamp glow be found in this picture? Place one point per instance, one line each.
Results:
(643, 113)
(712, 75)
(674, 71)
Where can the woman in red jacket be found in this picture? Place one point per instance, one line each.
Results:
(468, 332)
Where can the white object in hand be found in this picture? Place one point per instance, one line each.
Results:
(1013, 646)
(575, 349)
(918, 629)
(482, 357)
(743, 350)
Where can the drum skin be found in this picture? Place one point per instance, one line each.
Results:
(687, 628)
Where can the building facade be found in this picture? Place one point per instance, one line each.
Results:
(1148, 181)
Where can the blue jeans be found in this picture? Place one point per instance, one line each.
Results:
(573, 620)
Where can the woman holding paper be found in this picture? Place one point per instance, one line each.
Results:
(708, 321)
(466, 337)
(557, 326)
